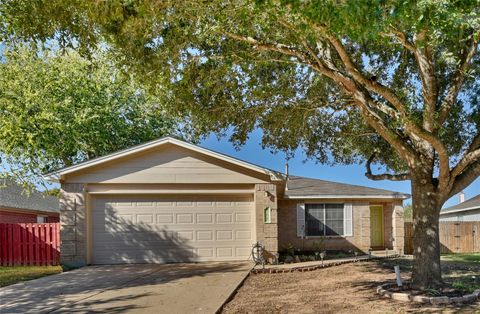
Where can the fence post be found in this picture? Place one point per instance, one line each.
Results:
(48, 244)
(3, 244)
(29, 244)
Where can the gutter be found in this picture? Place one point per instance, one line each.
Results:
(332, 196)
(459, 210)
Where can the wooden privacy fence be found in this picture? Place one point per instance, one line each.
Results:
(29, 244)
(455, 237)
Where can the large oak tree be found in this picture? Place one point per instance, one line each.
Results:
(58, 109)
(376, 81)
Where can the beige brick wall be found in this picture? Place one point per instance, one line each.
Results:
(72, 225)
(398, 227)
(267, 233)
(360, 241)
(388, 225)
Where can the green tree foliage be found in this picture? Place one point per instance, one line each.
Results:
(390, 82)
(408, 212)
(58, 109)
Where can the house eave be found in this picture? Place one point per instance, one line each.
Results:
(56, 176)
(459, 210)
(325, 196)
(29, 211)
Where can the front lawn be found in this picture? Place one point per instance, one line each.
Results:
(348, 288)
(11, 275)
(473, 258)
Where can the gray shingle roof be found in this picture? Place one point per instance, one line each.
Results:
(300, 186)
(13, 195)
(472, 203)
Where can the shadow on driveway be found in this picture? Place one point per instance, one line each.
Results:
(145, 288)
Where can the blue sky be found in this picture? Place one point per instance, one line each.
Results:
(353, 174)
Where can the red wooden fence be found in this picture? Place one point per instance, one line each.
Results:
(29, 244)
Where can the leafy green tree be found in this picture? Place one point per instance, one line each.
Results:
(408, 212)
(387, 82)
(57, 109)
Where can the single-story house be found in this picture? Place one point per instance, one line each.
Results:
(18, 206)
(171, 201)
(468, 210)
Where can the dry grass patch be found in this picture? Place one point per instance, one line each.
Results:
(347, 288)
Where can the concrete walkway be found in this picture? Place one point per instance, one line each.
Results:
(171, 288)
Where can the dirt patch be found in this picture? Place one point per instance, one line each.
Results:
(347, 288)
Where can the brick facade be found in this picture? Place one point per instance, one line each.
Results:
(267, 233)
(13, 217)
(398, 227)
(360, 241)
(7, 217)
(73, 245)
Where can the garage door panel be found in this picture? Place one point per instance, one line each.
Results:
(167, 229)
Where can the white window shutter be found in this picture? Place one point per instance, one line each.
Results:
(347, 219)
(301, 220)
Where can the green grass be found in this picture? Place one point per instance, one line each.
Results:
(473, 258)
(11, 275)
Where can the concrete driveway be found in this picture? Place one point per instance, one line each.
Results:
(170, 288)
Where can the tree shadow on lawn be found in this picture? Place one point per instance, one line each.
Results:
(371, 286)
(386, 267)
(452, 271)
(406, 265)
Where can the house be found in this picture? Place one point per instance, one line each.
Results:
(468, 210)
(18, 206)
(172, 201)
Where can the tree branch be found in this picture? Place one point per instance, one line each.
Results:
(475, 143)
(389, 95)
(281, 48)
(468, 159)
(465, 178)
(423, 56)
(361, 98)
(374, 86)
(429, 80)
(458, 79)
(384, 176)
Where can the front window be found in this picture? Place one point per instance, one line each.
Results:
(324, 219)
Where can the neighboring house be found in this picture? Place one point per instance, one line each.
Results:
(468, 210)
(18, 206)
(171, 201)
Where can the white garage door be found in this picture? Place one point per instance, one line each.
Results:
(160, 229)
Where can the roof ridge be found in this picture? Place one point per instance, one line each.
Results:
(348, 184)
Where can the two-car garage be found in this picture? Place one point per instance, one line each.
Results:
(171, 228)
(164, 201)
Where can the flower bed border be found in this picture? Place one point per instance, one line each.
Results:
(273, 270)
(407, 297)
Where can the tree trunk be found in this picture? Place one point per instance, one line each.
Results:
(426, 273)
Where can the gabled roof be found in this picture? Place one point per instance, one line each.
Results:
(473, 203)
(304, 188)
(13, 195)
(55, 175)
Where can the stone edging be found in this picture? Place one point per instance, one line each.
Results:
(403, 296)
(314, 267)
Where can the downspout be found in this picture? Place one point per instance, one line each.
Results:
(286, 176)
